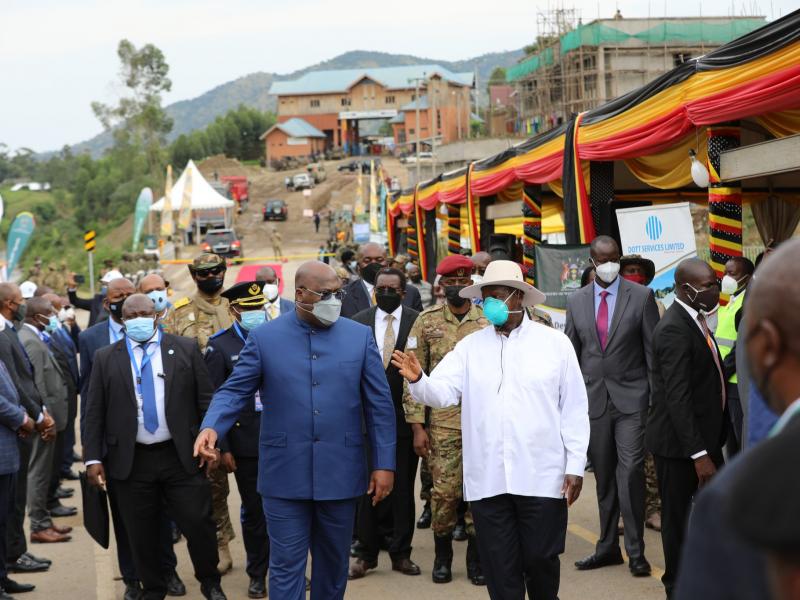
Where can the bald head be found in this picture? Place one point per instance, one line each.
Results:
(481, 260)
(266, 275)
(138, 305)
(691, 271)
(371, 250)
(151, 283)
(316, 275)
(9, 291)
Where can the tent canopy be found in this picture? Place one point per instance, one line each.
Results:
(203, 196)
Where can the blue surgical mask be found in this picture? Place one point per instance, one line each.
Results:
(496, 311)
(52, 325)
(159, 298)
(252, 318)
(140, 329)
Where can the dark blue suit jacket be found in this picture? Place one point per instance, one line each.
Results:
(90, 341)
(320, 389)
(12, 415)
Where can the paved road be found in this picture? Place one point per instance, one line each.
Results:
(83, 570)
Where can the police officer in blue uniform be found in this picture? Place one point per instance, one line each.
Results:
(240, 447)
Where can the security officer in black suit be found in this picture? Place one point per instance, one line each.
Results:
(240, 447)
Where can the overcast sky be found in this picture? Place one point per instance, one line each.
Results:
(57, 56)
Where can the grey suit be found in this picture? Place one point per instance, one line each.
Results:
(49, 382)
(617, 383)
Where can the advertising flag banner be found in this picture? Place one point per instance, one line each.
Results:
(374, 209)
(18, 237)
(140, 214)
(558, 270)
(665, 235)
(167, 224)
(185, 214)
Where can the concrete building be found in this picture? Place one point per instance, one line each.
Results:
(335, 102)
(587, 65)
(292, 138)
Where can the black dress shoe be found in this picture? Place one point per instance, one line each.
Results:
(257, 588)
(46, 561)
(13, 587)
(460, 532)
(595, 562)
(357, 549)
(213, 592)
(424, 521)
(25, 565)
(133, 590)
(640, 567)
(62, 511)
(63, 493)
(69, 475)
(175, 586)
(406, 566)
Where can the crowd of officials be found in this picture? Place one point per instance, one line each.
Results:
(325, 406)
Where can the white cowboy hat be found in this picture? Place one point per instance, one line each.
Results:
(507, 273)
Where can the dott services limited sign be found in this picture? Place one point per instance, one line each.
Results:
(665, 235)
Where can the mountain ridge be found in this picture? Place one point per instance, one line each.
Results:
(253, 89)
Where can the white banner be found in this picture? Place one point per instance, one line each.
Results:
(665, 235)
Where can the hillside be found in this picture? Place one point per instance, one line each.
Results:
(253, 90)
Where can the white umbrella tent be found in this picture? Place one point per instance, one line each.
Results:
(208, 207)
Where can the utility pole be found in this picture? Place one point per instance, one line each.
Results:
(416, 81)
(477, 101)
(433, 119)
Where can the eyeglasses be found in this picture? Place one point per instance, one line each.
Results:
(326, 294)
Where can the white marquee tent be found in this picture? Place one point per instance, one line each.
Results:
(208, 205)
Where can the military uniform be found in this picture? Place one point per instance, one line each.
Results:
(221, 355)
(53, 279)
(200, 317)
(276, 239)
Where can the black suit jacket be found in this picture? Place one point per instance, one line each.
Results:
(13, 356)
(111, 413)
(407, 318)
(94, 306)
(686, 415)
(357, 299)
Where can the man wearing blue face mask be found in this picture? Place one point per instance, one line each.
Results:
(155, 287)
(525, 431)
(323, 388)
(246, 302)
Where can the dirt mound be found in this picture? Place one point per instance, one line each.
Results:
(222, 165)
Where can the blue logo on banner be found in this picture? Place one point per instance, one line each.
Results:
(653, 227)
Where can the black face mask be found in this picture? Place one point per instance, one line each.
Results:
(115, 308)
(210, 286)
(416, 278)
(370, 272)
(703, 299)
(451, 293)
(388, 301)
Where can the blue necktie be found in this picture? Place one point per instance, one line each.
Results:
(148, 390)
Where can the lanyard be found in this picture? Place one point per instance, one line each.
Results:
(115, 337)
(137, 369)
(238, 330)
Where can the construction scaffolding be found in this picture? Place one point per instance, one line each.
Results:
(574, 67)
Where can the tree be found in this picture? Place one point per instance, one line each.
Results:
(498, 77)
(139, 121)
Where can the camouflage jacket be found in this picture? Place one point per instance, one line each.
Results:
(196, 318)
(435, 333)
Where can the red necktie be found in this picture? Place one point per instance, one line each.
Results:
(602, 320)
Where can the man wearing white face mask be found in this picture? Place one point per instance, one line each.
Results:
(275, 306)
(738, 274)
(610, 323)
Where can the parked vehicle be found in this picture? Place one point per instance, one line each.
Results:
(224, 242)
(238, 190)
(275, 210)
(366, 164)
(302, 181)
(317, 172)
(353, 165)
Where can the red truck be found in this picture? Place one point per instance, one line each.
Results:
(239, 189)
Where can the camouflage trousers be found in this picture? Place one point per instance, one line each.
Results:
(426, 481)
(448, 484)
(652, 499)
(219, 506)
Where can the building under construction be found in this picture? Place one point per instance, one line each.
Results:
(575, 67)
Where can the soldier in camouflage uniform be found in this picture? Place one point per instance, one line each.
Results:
(54, 280)
(201, 316)
(434, 334)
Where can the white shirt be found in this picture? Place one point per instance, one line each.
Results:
(524, 410)
(273, 309)
(161, 434)
(380, 325)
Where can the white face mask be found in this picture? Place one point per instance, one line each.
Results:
(607, 271)
(729, 285)
(271, 291)
(66, 314)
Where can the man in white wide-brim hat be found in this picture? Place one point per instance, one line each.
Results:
(525, 428)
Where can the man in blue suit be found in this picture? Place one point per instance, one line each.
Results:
(323, 389)
(276, 305)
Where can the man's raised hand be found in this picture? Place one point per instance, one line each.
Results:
(408, 365)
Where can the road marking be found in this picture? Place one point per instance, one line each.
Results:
(585, 534)
(104, 571)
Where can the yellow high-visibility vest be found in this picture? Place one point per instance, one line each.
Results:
(726, 328)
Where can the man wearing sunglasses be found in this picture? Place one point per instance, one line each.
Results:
(201, 316)
(319, 393)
